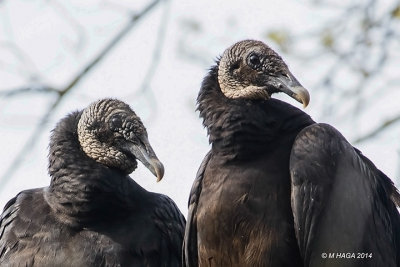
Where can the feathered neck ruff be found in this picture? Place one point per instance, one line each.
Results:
(81, 189)
(241, 128)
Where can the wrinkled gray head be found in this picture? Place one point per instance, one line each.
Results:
(252, 70)
(112, 134)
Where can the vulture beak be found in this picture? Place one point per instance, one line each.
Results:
(144, 152)
(289, 85)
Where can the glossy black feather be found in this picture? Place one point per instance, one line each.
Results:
(276, 189)
(190, 241)
(90, 215)
(239, 209)
(341, 202)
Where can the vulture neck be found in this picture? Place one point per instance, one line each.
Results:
(82, 190)
(242, 129)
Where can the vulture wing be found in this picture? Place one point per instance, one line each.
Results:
(190, 257)
(18, 224)
(7, 217)
(171, 223)
(341, 203)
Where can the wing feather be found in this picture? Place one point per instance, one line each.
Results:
(171, 223)
(190, 255)
(341, 202)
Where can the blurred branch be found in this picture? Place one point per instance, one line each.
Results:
(159, 44)
(133, 21)
(155, 60)
(355, 46)
(10, 171)
(359, 40)
(121, 34)
(378, 129)
(24, 90)
(26, 66)
(5, 17)
(63, 12)
(190, 30)
(117, 6)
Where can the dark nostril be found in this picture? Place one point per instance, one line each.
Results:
(236, 65)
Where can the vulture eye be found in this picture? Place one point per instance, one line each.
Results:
(115, 122)
(254, 61)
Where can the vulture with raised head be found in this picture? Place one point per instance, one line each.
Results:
(278, 189)
(93, 213)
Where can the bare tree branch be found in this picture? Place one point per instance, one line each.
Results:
(31, 89)
(24, 65)
(60, 9)
(117, 6)
(378, 130)
(155, 61)
(117, 38)
(28, 144)
(61, 93)
(160, 40)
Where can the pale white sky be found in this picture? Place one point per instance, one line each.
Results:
(60, 38)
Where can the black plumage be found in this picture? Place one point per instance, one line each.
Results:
(278, 189)
(93, 213)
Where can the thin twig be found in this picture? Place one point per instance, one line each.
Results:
(117, 38)
(40, 127)
(155, 60)
(25, 90)
(378, 129)
(64, 13)
(25, 65)
(160, 40)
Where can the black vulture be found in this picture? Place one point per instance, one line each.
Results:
(276, 188)
(93, 213)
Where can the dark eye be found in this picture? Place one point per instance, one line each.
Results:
(115, 122)
(254, 60)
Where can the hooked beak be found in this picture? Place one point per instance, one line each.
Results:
(291, 86)
(144, 152)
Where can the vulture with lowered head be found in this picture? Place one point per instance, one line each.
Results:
(93, 213)
(276, 188)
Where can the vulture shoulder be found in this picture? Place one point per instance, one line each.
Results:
(7, 238)
(190, 256)
(18, 231)
(29, 227)
(341, 203)
(171, 223)
(93, 213)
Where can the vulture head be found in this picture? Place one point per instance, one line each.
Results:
(112, 134)
(250, 69)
